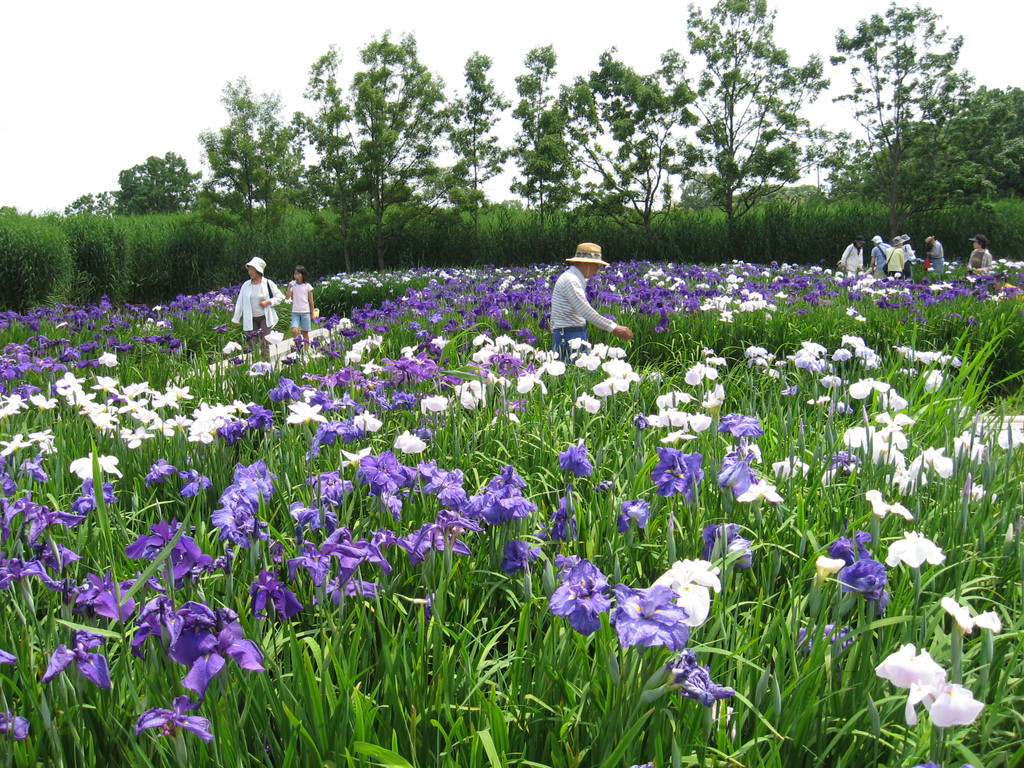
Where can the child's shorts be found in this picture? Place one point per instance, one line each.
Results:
(300, 320)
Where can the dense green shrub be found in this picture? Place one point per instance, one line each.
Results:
(154, 258)
(100, 255)
(35, 261)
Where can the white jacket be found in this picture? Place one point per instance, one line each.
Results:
(852, 260)
(243, 304)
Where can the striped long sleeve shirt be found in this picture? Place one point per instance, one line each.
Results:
(569, 305)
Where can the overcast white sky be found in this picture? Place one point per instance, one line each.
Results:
(88, 89)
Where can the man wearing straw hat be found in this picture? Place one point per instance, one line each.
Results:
(570, 310)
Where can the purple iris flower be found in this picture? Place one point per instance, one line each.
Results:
(446, 485)
(330, 432)
(54, 556)
(677, 472)
(582, 597)
(337, 589)
(204, 640)
(384, 473)
(694, 680)
(723, 540)
(14, 725)
(86, 503)
(34, 469)
(195, 483)
(736, 473)
(331, 488)
(564, 562)
(311, 518)
(844, 461)
(851, 551)
(518, 556)
(260, 417)
(433, 536)
(286, 390)
(738, 425)
(236, 518)
(562, 524)
(238, 523)
(170, 720)
(648, 617)
(640, 422)
(184, 556)
(233, 431)
(269, 590)
(255, 481)
(502, 501)
(837, 636)
(576, 461)
(92, 666)
(159, 472)
(351, 554)
(636, 511)
(316, 562)
(7, 658)
(38, 516)
(15, 569)
(103, 596)
(868, 578)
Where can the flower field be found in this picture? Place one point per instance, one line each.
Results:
(780, 528)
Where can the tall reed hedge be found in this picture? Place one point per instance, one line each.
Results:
(154, 258)
(35, 261)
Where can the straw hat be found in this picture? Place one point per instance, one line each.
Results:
(258, 264)
(588, 253)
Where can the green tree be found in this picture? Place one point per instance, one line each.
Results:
(626, 126)
(100, 204)
(479, 154)
(159, 185)
(398, 111)
(748, 99)
(905, 95)
(549, 177)
(332, 179)
(254, 160)
(990, 130)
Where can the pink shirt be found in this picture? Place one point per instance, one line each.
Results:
(300, 297)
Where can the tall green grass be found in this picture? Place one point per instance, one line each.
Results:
(154, 258)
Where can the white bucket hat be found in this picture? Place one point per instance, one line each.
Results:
(258, 264)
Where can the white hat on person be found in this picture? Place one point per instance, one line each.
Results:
(258, 264)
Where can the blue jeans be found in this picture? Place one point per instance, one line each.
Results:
(561, 338)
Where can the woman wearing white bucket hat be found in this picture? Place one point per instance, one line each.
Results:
(254, 307)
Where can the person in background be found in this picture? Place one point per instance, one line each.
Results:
(852, 261)
(935, 255)
(980, 260)
(300, 293)
(254, 307)
(878, 256)
(570, 310)
(895, 259)
(909, 258)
